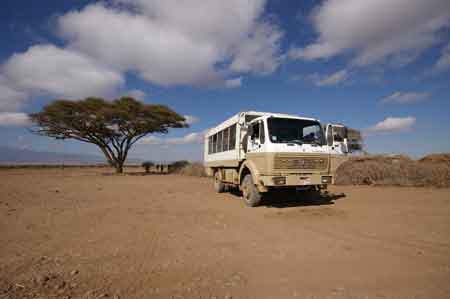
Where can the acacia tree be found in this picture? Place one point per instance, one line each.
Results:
(112, 126)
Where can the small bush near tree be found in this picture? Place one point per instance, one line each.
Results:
(177, 165)
(147, 165)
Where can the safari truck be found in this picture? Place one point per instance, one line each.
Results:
(260, 152)
(342, 142)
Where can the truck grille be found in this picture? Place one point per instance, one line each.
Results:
(293, 162)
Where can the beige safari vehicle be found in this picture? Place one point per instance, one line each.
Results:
(260, 152)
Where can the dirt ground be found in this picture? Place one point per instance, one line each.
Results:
(80, 233)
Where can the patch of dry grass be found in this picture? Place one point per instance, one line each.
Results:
(436, 158)
(432, 170)
(192, 169)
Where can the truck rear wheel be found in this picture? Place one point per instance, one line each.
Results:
(218, 185)
(250, 193)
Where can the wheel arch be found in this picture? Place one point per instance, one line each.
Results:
(248, 168)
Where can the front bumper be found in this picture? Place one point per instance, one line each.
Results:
(296, 180)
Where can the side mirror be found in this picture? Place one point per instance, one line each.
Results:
(329, 135)
(346, 147)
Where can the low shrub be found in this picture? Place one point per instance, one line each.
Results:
(176, 166)
(393, 170)
(436, 158)
(193, 169)
(147, 165)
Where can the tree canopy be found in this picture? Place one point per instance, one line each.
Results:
(112, 126)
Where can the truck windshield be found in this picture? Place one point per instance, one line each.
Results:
(290, 130)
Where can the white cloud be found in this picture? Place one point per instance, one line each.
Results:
(190, 119)
(14, 119)
(324, 80)
(259, 53)
(394, 124)
(164, 42)
(405, 97)
(374, 30)
(443, 63)
(49, 70)
(172, 42)
(151, 140)
(10, 98)
(333, 79)
(233, 83)
(191, 138)
(136, 93)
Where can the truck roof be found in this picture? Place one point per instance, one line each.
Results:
(235, 119)
(281, 115)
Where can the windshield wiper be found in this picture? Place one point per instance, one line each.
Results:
(313, 142)
(296, 141)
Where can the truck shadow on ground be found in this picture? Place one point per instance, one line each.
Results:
(300, 198)
(296, 199)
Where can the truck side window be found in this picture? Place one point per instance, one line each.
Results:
(262, 136)
(255, 133)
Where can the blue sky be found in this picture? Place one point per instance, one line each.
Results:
(381, 66)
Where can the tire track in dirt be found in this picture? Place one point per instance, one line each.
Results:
(413, 247)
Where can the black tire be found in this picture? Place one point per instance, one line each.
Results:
(252, 197)
(218, 185)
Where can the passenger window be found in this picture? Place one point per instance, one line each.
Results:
(232, 142)
(210, 145)
(225, 139)
(214, 146)
(219, 142)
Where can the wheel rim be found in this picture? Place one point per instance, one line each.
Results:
(245, 192)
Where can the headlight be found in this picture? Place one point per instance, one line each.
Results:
(326, 180)
(279, 180)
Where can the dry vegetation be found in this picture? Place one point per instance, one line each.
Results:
(193, 169)
(432, 170)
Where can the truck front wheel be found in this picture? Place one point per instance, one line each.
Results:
(250, 193)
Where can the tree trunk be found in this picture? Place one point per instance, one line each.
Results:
(119, 167)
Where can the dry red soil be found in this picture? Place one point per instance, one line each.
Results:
(79, 233)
